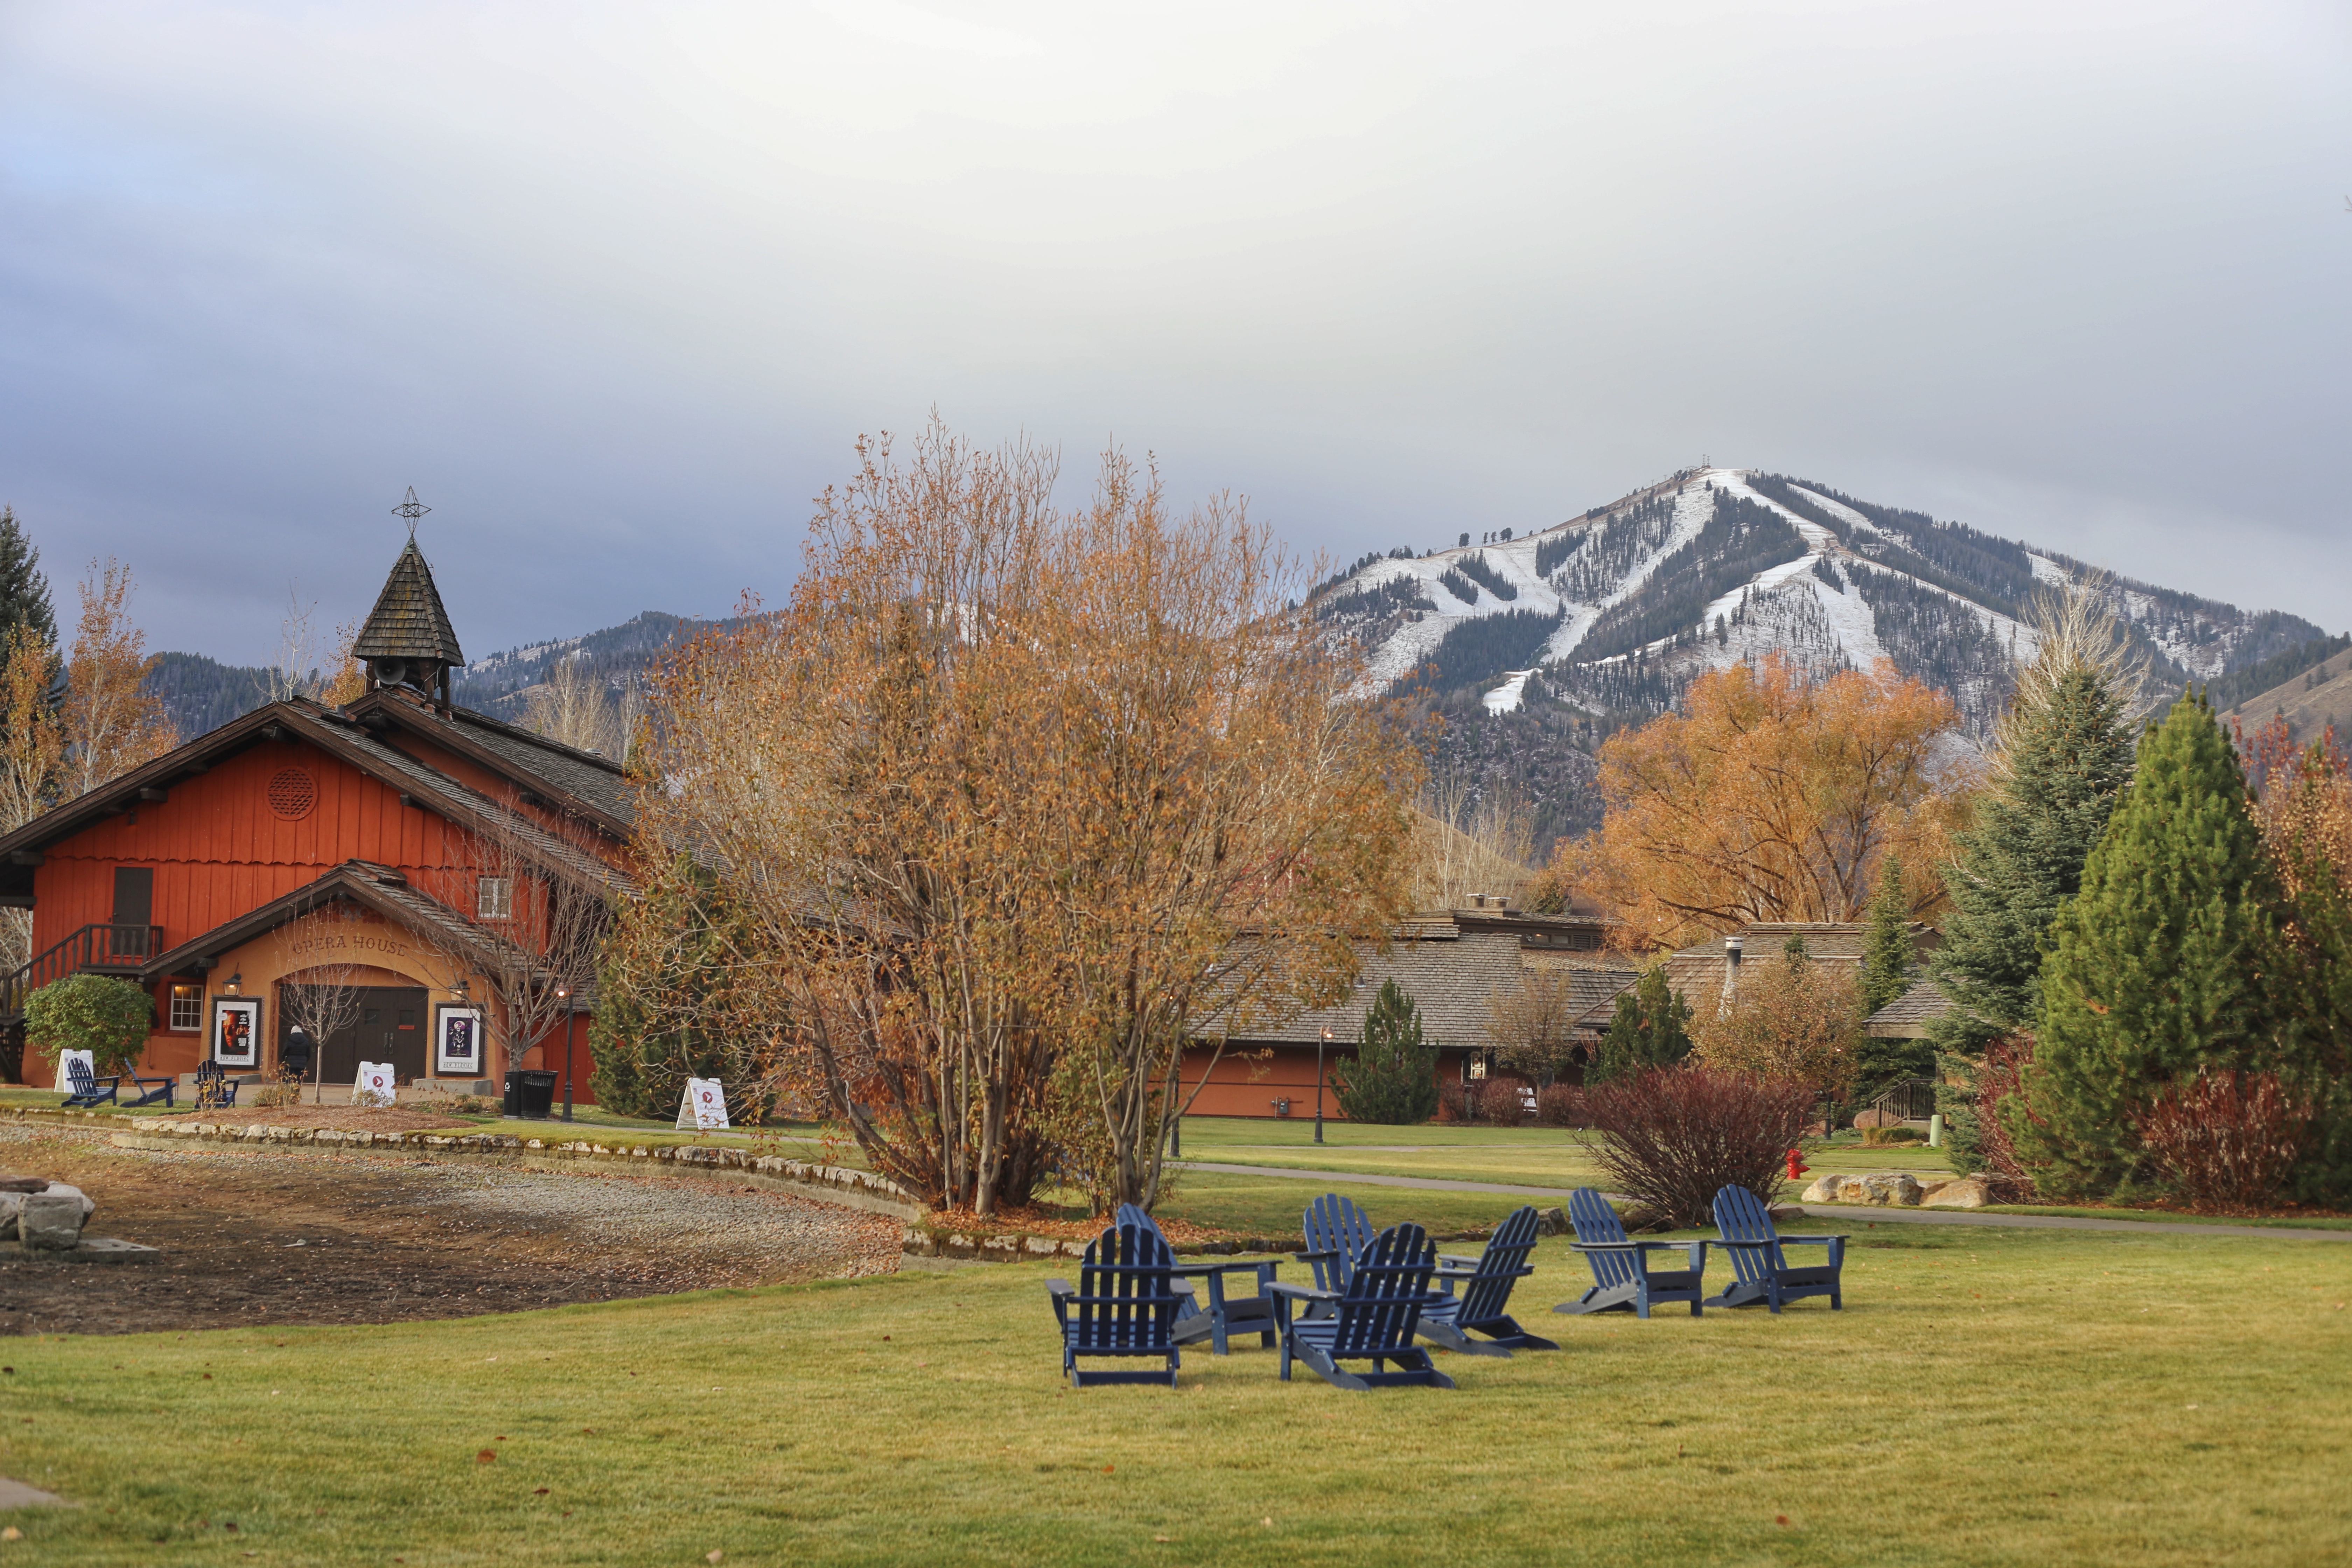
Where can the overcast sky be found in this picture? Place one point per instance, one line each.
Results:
(616, 287)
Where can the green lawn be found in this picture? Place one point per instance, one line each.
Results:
(1987, 1398)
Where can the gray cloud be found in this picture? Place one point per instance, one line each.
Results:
(615, 288)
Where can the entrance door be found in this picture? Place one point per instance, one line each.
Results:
(134, 910)
(391, 1029)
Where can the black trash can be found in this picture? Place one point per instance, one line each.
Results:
(537, 1094)
(513, 1106)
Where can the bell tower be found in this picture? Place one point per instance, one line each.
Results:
(407, 640)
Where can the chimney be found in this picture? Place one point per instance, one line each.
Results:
(1477, 901)
(1730, 971)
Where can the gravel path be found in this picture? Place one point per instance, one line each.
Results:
(284, 1234)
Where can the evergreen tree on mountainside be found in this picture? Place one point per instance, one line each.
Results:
(1650, 1029)
(2167, 960)
(23, 592)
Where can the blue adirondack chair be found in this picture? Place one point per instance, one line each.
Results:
(85, 1088)
(216, 1089)
(1337, 1235)
(151, 1090)
(1224, 1315)
(1374, 1318)
(1763, 1274)
(1623, 1280)
(1125, 1306)
(1485, 1297)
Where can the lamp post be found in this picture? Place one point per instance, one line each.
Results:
(1320, 1047)
(563, 994)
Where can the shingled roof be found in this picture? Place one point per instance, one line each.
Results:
(1908, 1016)
(408, 621)
(1453, 964)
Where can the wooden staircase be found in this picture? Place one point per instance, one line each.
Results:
(99, 948)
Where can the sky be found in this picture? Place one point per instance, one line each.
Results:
(617, 286)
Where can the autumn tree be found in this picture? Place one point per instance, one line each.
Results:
(1018, 800)
(1767, 797)
(32, 752)
(1793, 1017)
(1532, 1024)
(575, 706)
(112, 722)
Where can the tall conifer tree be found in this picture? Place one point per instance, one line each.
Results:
(2164, 963)
(23, 592)
(1652, 1028)
(1887, 951)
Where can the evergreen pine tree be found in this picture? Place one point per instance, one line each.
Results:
(1651, 1028)
(1393, 1079)
(23, 592)
(1887, 953)
(2067, 756)
(2165, 962)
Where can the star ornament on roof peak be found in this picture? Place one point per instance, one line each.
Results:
(410, 509)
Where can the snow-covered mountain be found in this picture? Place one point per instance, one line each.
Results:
(1605, 618)
(1614, 611)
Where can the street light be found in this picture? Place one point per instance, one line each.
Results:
(563, 994)
(1320, 1047)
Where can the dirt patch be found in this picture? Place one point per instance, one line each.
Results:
(343, 1119)
(291, 1236)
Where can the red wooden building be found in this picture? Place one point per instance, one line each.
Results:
(193, 876)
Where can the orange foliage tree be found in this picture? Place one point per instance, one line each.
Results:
(112, 721)
(1015, 800)
(1768, 797)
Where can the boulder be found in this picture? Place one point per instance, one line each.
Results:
(1551, 1222)
(1891, 1189)
(1968, 1193)
(53, 1220)
(12, 1204)
(1824, 1190)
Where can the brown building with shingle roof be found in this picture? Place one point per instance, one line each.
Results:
(1452, 963)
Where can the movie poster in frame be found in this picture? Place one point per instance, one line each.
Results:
(237, 1031)
(456, 1041)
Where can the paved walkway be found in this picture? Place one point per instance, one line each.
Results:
(1849, 1213)
(1430, 1183)
(1819, 1211)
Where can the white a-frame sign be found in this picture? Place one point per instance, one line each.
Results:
(703, 1106)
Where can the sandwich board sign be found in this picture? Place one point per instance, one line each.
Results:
(374, 1084)
(703, 1106)
(89, 1060)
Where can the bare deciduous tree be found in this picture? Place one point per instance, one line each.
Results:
(325, 998)
(537, 902)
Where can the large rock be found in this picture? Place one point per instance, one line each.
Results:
(12, 1204)
(52, 1220)
(1880, 1189)
(1551, 1222)
(1968, 1193)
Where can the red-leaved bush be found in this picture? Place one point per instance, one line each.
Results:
(1560, 1105)
(2226, 1138)
(1671, 1137)
(2000, 1081)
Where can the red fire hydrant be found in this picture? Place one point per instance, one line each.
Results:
(1797, 1166)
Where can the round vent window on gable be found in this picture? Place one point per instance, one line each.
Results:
(292, 794)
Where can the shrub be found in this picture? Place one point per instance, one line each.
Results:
(1498, 1102)
(1452, 1105)
(1879, 1137)
(1393, 1079)
(2225, 1138)
(2001, 1106)
(1670, 1137)
(1792, 1018)
(1560, 1105)
(95, 1013)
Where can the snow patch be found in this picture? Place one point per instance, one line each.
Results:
(1505, 698)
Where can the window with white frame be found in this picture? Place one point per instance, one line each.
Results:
(187, 1007)
(494, 898)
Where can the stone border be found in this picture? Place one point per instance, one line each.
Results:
(831, 1184)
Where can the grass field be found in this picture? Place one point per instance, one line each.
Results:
(1987, 1397)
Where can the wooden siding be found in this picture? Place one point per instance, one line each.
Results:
(218, 850)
